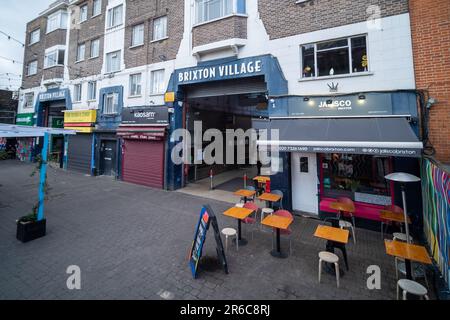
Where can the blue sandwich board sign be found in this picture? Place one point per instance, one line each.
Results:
(206, 219)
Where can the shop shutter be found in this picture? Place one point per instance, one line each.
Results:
(143, 163)
(80, 153)
(227, 87)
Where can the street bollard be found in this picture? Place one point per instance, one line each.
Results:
(211, 176)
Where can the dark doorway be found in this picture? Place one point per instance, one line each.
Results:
(107, 157)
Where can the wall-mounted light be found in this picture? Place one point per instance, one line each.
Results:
(362, 97)
(306, 99)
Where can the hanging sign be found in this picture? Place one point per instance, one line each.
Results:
(207, 217)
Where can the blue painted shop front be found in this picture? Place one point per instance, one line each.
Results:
(265, 66)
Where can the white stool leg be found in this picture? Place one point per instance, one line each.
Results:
(396, 267)
(237, 242)
(398, 292)
(354, 235)
(226, 243)
(426, 297)
(320, 269)
(404, 294)
(336, 266)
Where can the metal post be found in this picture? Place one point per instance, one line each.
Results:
(405, 212)
(211, 179)
(43, 177)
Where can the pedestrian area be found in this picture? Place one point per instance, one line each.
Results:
(132, 242)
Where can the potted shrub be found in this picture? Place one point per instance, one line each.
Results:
(28, 227)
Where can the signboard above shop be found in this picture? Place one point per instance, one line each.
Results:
(52, 95)
(146, 115)
(25, 119)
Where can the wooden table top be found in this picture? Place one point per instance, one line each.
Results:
(277, 222)
(261, 179)
(331, 233)
(340, 206)
(393, 216)
(245, 193)
(238, 213)
(407, 251)
(269, 197)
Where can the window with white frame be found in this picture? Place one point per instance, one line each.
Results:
(135, 85)
(335, 57)
(77, 92)
(207, 10)
(113, 61)
(92, 90)
(28, 100)
(54, 57)
(95, 48)
(160, 28)
(35, 36)
(57, 20)
(96, 8)
(137, 36)
(83, 13)
(157, 82)
(111, 104)
(32, 68)
(81, 52)
(115, 16)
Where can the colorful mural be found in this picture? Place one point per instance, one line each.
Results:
(24, 149)
(436, 193)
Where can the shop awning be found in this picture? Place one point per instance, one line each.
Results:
(375, 136)
(15, 131)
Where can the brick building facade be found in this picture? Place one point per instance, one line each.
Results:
(430, 27)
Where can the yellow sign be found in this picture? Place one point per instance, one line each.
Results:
(81, 129)
(169, 97)
(80, 116)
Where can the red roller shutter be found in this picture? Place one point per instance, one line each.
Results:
(143, 163)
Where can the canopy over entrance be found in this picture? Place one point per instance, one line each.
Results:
(375, 136)
(15, 131)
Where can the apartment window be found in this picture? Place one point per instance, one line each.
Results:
(57, 20)
(137, 37)
(335, 57)
(113, 62)
(95, 48)
(157, 82)
(28, 100)
(96, 8)
(54, 57)
(207, 10)
(135, 85)
(81, 51)
(32, 68)
(77, 92)
(35, 36)
(115, 16)
(111, 104)
(160, 28)
(92, 90)
(83, 13)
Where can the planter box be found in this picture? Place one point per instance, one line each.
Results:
(27, 231)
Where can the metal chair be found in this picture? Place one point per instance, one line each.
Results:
(250, 220)
(392, 208)
(249, 199)
(279, 204)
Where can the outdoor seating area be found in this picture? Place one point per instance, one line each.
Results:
(259, 206)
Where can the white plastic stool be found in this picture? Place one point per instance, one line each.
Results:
(239, 205)
(329, 257)
(230, 232)
(401, 236)
(411, 287)
(348, 225)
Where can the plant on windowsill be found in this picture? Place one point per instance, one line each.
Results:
(364, 62)
(307, 72)
(28, 227)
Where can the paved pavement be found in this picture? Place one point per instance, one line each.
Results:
(132, 242)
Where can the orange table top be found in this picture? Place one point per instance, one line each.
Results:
(277, 222)
(261, 179)
(245, 193)
(331, 233)
(407, 251)
(269, 197)
(393, 216)
(238, 213)
(340, 206)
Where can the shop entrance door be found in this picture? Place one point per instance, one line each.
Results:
(304, 183)
(107, 157)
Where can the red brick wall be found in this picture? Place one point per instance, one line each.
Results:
(430, 27)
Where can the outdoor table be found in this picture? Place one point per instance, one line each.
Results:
(341, 207)
(245, 194)
(278, 223)
(408, 252)
(336, 238)
(269, 198)
(388, 215)
(239, 214)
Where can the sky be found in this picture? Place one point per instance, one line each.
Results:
(14, 15)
